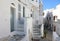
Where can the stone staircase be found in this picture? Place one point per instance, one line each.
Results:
(16, 38)
(13, 38)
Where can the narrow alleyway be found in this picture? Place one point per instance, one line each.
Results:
(48, 37)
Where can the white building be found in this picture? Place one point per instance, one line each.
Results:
(37, 18)
(49, 20)
(56, 34)
(17, 16)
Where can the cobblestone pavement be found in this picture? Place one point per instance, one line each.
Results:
(9, 38)
(4, 39)
(45, 39)
(48, 37)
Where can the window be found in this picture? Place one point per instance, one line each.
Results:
(19, 0)
(19, 12)
(19, 16)
(12, 19)
(32, 0)
(54, 17)
(19, 7)
(49, 18)
(23, 11)
(31, 15)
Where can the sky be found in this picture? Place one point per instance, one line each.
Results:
(48, 4)
(52, 6)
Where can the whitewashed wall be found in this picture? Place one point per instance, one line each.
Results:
(58, 27)
(5, 15)
(4, 18)
(28, 26)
